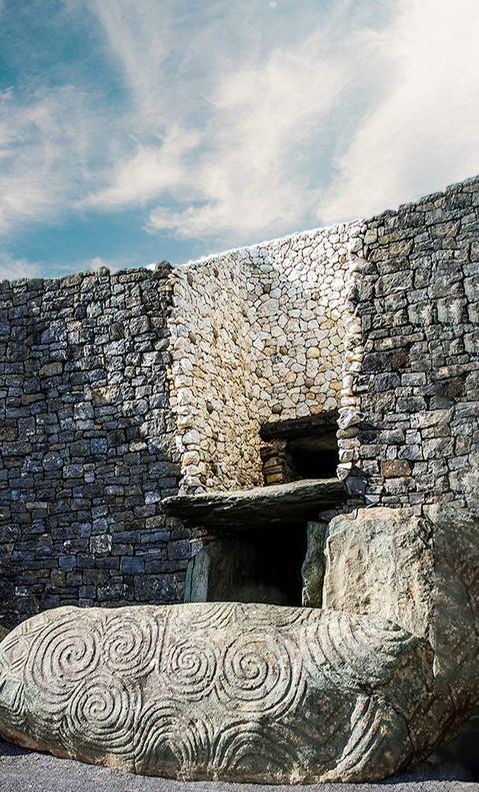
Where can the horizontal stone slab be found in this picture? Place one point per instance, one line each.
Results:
(259, 505)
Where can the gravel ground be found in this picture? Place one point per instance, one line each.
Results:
(29, 771)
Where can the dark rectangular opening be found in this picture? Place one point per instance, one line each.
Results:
(274, 561)
(262, 565)
(303, 448)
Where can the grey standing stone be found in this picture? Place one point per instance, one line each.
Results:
(314, 565)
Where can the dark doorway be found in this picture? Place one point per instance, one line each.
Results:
(313, 456)
(262, 565)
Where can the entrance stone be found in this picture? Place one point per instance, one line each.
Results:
(218, 690)
(353, 691)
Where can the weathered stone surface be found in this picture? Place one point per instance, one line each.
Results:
(453, 624)
(395, 468)
(259, 505)
(318, 423)
(23, 769)
(114, 384)
(260, 337)
(380, 563)
(422, 573)
(351, 692)
(226, 691)
(3, 632)
(314, 565)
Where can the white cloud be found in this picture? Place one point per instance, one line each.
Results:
(47, 141)
(149, 172)
(338, 124)
(232, 132)
(13, 269)
(139, 36)
(424, 133)
(252, 179)
(240, 169)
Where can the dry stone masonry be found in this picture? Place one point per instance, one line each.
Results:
(258, 336)
(411, 393)
(120, 389)
(87, 440)
(168, 423)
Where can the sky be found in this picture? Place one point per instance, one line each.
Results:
(133, 131)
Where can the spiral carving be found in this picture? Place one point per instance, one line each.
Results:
(342, 646)
(130, 645)
(169, 737)
(154, 691)
(61, 655)
(242, 744)
(16, 646)
(261, 672)
(191, 666)
(263, 616)
(209, 616)
(13, 704)
(102, 713)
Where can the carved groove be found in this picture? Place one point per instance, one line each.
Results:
(206, 690)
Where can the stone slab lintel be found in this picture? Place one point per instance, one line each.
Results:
(258, 506)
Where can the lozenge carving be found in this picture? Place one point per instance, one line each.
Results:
(264, 693)
(213, 690)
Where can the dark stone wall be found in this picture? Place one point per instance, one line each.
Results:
(417, 296)
(87, 440)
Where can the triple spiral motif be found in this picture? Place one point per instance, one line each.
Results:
(191, 691)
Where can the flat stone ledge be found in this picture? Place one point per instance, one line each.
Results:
(277, 503)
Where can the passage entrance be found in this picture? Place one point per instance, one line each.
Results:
(250, 566)
(257, 539)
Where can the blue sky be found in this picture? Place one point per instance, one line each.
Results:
(138, 130)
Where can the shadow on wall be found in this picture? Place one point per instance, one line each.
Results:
(87, 446)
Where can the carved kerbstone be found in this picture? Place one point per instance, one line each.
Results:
(263, 693)
(207, 690)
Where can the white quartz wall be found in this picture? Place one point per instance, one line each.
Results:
(258, 335)
(298, 321)
(212, 376)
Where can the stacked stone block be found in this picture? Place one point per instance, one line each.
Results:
(212, 376)
(416, 388)
(258, 335)
(87, 440)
